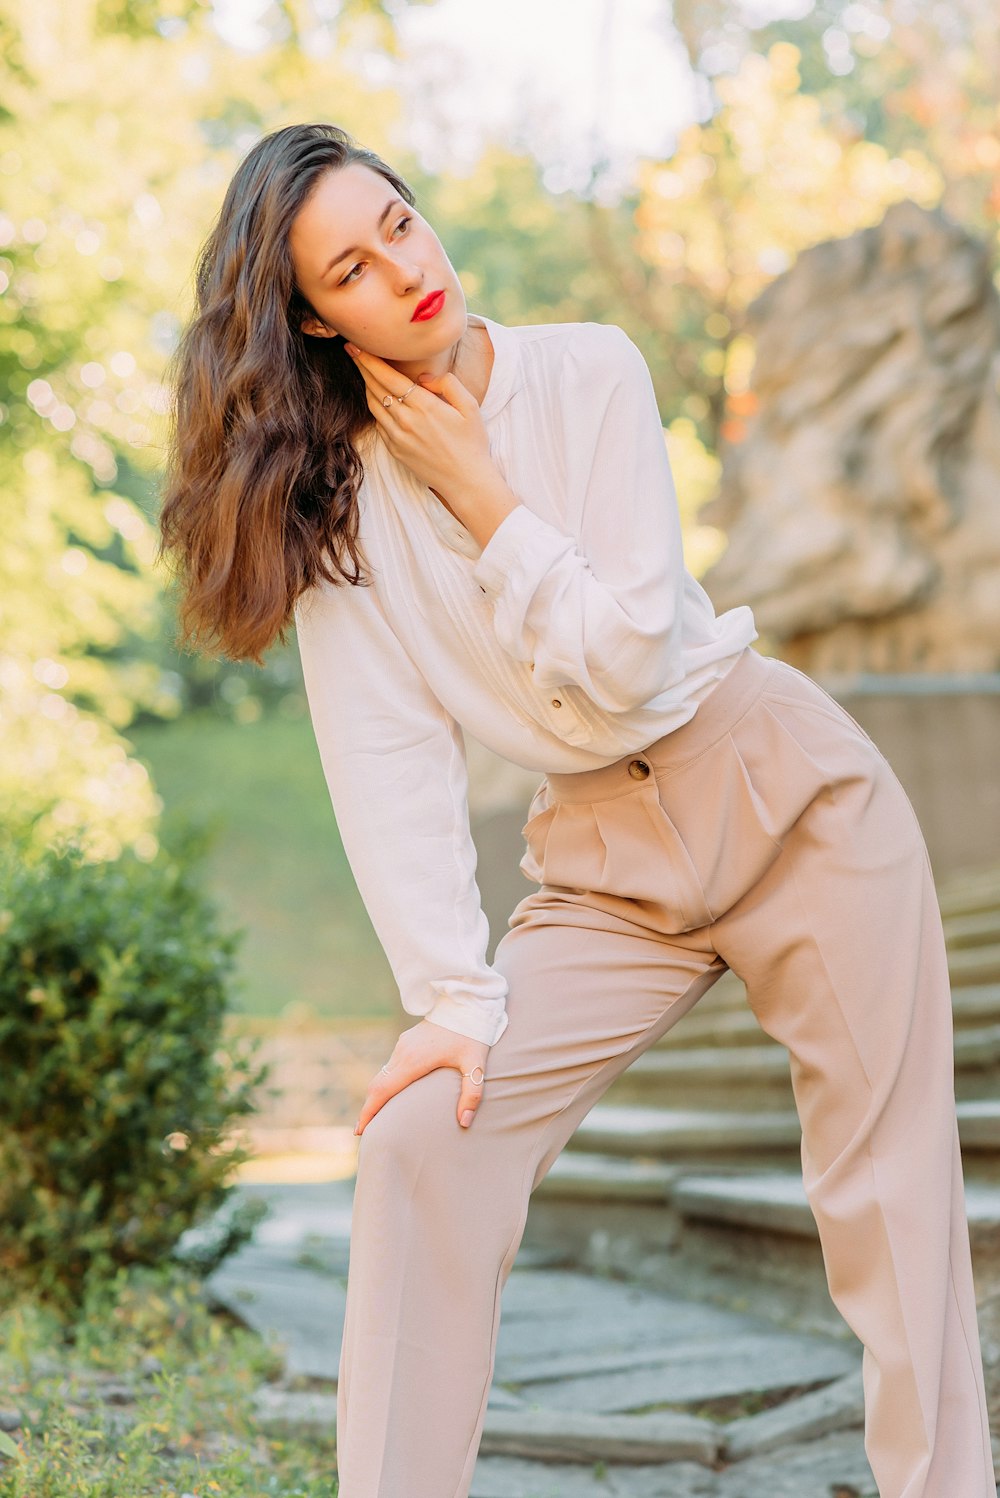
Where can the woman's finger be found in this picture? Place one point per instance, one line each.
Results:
(394, 1076)
(388, 428)
(471, 1096)
(372, 385)
(448, 387)
(381, 377)
(384, 1085)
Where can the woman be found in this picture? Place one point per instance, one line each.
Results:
(473, 524)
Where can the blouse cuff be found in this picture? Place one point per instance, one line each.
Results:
(519, 553)
(479, 1019)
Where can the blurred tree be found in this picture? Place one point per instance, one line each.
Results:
(903, 74)
(103, 210)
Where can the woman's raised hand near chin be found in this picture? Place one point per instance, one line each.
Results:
(422, 1049)
(437, 431)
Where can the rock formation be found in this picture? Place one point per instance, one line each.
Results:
(862, 505)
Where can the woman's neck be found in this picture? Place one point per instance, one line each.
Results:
(470, 360)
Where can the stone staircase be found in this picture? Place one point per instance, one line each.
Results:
(688, 1170)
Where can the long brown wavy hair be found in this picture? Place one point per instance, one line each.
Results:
(260, 490)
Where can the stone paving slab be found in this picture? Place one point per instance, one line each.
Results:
(696, 1370)
(509, 1477)
(534, 1434)
(575, 1435)
(294, 1309)
(837, 1406)
(555, 1292)
(582, 1353)
(639, 1329)
(579, 1342)
(833, 1467)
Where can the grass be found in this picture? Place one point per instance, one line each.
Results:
(149, 1390)
(276, 866)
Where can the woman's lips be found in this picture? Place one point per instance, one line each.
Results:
(428, 307)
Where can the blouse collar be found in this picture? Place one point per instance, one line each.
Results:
(504, 376)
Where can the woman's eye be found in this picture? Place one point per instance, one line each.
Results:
(406, 219)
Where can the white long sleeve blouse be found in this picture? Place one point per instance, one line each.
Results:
(574, 637)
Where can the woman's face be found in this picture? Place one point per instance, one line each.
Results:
(393, 260)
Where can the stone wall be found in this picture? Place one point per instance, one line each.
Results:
(941, 735)
(862, 505)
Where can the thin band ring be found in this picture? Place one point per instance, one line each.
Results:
(470, 1074)
(387, 400)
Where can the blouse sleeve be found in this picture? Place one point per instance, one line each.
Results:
(597, 604)
(394, 761)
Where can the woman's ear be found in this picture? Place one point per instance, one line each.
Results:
(313, 327)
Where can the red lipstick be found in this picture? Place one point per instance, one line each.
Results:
(428, 307)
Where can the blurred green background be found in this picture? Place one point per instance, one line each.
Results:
(645, 164)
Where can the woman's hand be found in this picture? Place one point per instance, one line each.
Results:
(421, 1049)
(437, 431)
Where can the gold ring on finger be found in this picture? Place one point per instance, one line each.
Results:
(406, 392)
(472, 1076)
(387, 400)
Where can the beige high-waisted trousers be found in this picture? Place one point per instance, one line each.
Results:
(768, 835)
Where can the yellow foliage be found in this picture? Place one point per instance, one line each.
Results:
(766, 177)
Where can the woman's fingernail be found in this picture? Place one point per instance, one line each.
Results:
(356, 1126)
(351, 348)
(467, 1118)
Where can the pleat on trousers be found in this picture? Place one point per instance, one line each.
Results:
(770, 836)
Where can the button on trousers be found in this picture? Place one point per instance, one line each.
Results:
(769, 836)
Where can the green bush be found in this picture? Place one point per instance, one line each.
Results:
(115, 1097)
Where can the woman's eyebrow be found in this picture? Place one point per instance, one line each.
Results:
(352, 248)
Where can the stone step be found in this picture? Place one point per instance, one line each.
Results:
(685, 1133)
(719, 1134)
(727, 995)
(963, 894)
(702, 1027)
(754, 1076)
(974, 965)
(776, 1202)
(979, 1124)
(977, 1050)
(976, 929)
(582, 1175)
(742, 1076)
(975, 1002)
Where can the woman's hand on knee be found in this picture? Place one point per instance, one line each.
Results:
(422, 1049)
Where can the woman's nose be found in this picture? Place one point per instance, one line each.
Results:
(408, 276)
